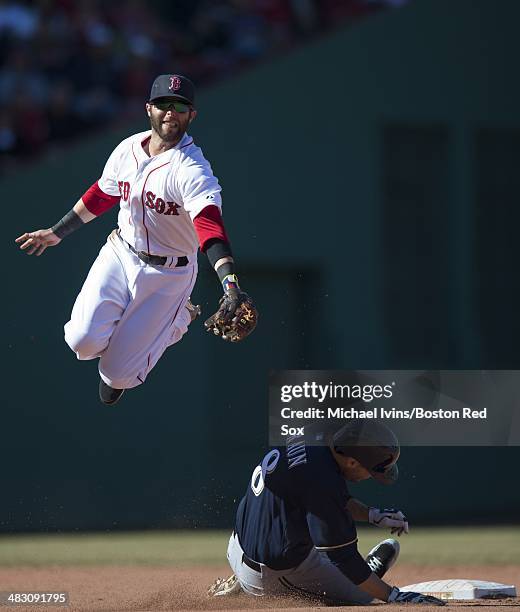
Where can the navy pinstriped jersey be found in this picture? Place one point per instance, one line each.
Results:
(296, 499)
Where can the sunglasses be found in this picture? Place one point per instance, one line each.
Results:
(178, 107)
(382, 468)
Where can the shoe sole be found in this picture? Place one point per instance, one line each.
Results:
(114, 402)
(109, 403)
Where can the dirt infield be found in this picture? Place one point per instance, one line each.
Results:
(174, 588)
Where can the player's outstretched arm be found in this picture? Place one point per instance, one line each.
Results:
(37, 241)
(348, 560)
(379, 589)
(236, 316)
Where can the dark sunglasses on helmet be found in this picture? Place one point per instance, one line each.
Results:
(383, 467)
(176, 105)
(380, 468)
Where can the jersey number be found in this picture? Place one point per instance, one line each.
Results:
(268, 465)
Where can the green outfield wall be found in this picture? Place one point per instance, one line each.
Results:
(371, 188)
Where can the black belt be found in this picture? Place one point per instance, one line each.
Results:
(154, 260)
(252, 564)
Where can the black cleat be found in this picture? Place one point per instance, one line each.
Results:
(381, 558)
(107, 394)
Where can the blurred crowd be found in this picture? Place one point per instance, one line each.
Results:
(70, 66)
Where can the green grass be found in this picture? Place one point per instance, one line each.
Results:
(423, 546)
(138, 548)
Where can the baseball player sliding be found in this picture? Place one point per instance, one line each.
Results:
(295, 529)
(135, 303)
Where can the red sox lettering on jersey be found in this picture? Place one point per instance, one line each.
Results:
(160, 206)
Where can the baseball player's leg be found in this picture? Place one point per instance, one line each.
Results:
(99, 306)
(251, 582)
(155, 319)
(317, 576)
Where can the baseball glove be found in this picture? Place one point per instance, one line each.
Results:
(235, 318)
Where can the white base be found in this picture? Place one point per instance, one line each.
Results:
(462, 589)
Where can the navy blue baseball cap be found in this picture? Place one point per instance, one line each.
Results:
(173, 86)
(371, 443)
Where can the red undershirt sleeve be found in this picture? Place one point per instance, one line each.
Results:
(209, 225)
(97, 201)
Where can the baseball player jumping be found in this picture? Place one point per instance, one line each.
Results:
(135, 303)
(295, 527)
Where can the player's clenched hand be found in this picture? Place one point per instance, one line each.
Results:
(38, 241)
(389, 517)
(397, 596)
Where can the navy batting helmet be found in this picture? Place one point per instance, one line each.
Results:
(371, 443)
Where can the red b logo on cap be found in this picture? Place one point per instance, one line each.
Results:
(175, 83)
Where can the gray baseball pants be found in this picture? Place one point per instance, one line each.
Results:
(314, 577)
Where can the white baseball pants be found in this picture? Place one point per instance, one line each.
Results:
(128, 313)
(314, 577)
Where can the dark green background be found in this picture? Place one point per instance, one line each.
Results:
(371, 190)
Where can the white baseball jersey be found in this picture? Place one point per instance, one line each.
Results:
(160, 195)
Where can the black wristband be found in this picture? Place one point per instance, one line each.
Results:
(217, 249)
(68, 224)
